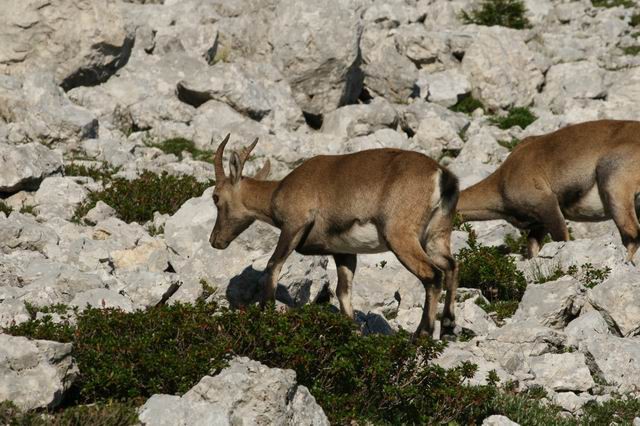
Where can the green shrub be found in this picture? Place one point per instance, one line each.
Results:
(138, 199)
(502, 308)
(506, 13)
(592, 276)
(105, 414)
(614, 411)
(635, 20)
(613, 3)
(491, 271)
(467, 105)
(5, 208)
(177, 146)
(376, 378)
(97, 173)
(631, 50)
(522, 117)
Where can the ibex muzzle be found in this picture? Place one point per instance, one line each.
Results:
(341, 205)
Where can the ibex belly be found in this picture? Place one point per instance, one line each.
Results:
(360, 238)
(589, 207)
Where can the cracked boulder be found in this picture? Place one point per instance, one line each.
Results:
(34, 373)
(246, 392)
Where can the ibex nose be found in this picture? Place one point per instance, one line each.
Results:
(217, 244)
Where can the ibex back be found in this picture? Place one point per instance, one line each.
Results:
(584, 172)
(341, 205)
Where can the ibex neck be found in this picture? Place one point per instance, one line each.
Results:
(482, 201)
(256, 197)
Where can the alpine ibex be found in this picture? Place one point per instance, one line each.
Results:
(340, 205)
(585, 172)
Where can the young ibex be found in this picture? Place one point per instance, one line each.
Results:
(340, 205)
(584, 172)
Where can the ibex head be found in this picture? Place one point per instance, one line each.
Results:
(229, 196)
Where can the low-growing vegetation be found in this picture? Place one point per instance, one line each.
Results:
(613, 3)
(467, 105)
(178, 146)
(506, 13)
(103, 173)
(488, 269)
(125, 357)
(631, 50)
(587, 274)
(103, 414)
(501, 308)
(5, 208)
(521, 117)
(136, 200)
(376, 378)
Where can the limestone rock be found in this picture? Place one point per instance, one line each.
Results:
(34, 373)
(315, 46)
(501, 69)
(246, 391)
(618, 300)
(25, 166)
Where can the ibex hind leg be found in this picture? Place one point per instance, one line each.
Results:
(437, 245)
(410, 253)
(619, 188)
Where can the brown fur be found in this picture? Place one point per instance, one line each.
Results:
(584, 172)
(341, 205)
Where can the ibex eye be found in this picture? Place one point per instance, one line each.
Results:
(215, 199)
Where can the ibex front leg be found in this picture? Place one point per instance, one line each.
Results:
(288, 241)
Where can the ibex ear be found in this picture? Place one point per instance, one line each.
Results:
(235, 168)
(263, 173)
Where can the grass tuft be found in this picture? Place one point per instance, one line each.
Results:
(5, 208)
(467, 105)
(506, 13)
(521, 117)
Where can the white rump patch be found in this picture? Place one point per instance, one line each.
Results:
(360, 238)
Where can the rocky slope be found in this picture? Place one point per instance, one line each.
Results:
(99, 82)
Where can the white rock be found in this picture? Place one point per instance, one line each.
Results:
(552, 304)
(100, 212)
(315, 46)
(571, 402)
(26, 165)
(436, 135)
(387, 72)
(586, 326)
(34, 373)
(151, 255)
(83, 42)
(446, 87)
(498, 420)
(41, 111)
(245, 392)
(13, 312)
(616, 360)
(618, 300)
(360, 120)
(102, 298)
(562, 372)
(501, 69)
(561, 84)
(59, 197)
